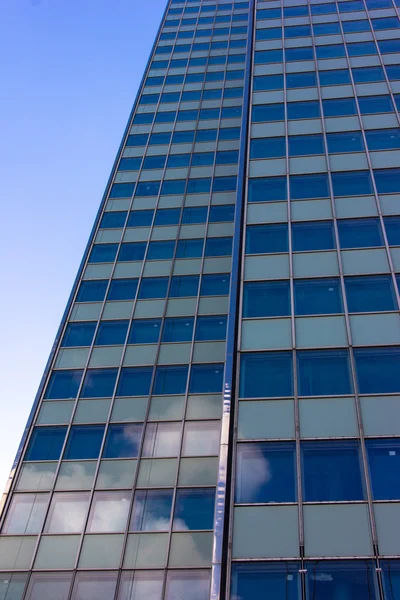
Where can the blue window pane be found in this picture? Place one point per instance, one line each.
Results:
(236, 92)
(122, 441)
(391, 575)
(92, 291)
(272, 33)
(223, 213)
(267, 82)
(194, 509)
(267, 189)
(145, 331)
(211, 328)
(368, 74)
(293, 54)
(46, 443)
(385, 23)
(272, 13)
(189, 115)
(268, 112)
(132, 251)
(212, 94)
(209, 113)
(206, 379)
(323, 373)
(370, 294)
(327, 580)
(140, 218)
(170, 96)
(215, 285)
(315, 235)
(266, 375)
(178, 160)
(331, 471)
(122, 289)
(170, 380)
(266, 299)
(154, 162)
(387, 181)
(78, 334)
(218, 247)
(326, 29)
(392, 227)
(206, 135)
(375, 104)
(151, 511)
(336, 77)
(362, 49)
(175, 186)
(161, 250)
(195, 214)
(276, 460)
(199, 186)
(360, 233)
(63, 384)
(268, 147)
(153, 288)
(297, 31)
(331, 51)
(352, 184)
(84, 442)
(202, 159)
(295, 11)
(264, 57)
(323, 9)
(229, 133)
(340, 107)
(99, 383)
(147, 188)
(178, 329)
(165, 116)
(224, 184)
(184, 285)
(143, 119)
(111, 219)
(384, 467)
(300, 145)
(345, 142)
(135, 381)
(385, 139)
(303, 110)
(304, 187)
(301, 80)
(183, 137)
(317, 296)
(266, 580)
(149, 99)
(139, 139)
(262, 239)
(378, 370)
(389, 46)
(111, 332)
(356, 26)
(190, 248)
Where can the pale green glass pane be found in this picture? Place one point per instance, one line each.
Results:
(357, 262)
(387, 518)
(37, 476)
(375, 329)
(129, 409)
(165, 408)
(266, 419)
(313, 264)
(92, 411)
(54, 413)
(204, 407)
(157, 472)
(312, 332)
(328, 417)
(101, 551)
(116, 474)
(16, 552)
(57, 552)
(12, 585)
(198, 471)
(146, 550)
(209, 351)
(266, 334)
(191, 550)
(76, 475)
(381, 415)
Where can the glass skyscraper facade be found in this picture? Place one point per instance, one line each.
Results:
(219, 418)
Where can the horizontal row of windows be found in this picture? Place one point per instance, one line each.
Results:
(174, 186)
(200, 77)
(200, 47)
(330, 471)
(186, 22)
(208, 8)
(306, 53)
(294, 31)
(187, 96)
(145, 331)
(170, 216)
(199, 33)
(183, 137)
(324, 9)
(174, 161)
(335, 28)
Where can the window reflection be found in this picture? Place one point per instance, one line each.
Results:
(94, 585)
(190, 584)
(152, 510)
(109, 512)
(67, 513)
(26, 514)
(328, 580)
(162, 439)
(140, 585)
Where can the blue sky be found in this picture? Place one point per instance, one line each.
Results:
(70, 70)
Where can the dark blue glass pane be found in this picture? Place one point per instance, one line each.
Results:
(339, 107)
(304, 187)
(345, 142)
(263, 83)
(334, 77)
(165, 116)
(262, 239)
(352, 184)
(277, 462)
(297, 31)
(92, 291)
(272, 33)
(301, 80)
(153, 288)
(195, 214)
(317, 297)
(360, 233)
(161, 250)
(99, 383)
(266, 375)
(211, 328)
(144, 331)
(215, 285)
(122, 289)
(356, 26)
(323, 9)
(378, 370)
(392, 227)
(326, 29)
(331, 580)
(112, 219)
(206, 135)
(174, 186)
(184, 285)
(330, 51)
(316, 235)
(194, 509)
(111, 332)
(199, 186)
(293, 54)
(385, 23)
(154, 162)
(368, 74)
(362, 49)
(178, 160)
(229, 133)
(268, 112)
(178, 329)
(323, 373)
(389, 46)
(266, 299)
(375, 104)
(219, 214)
(122, 441)
(391, 578)
(140, 218)
(387, 181)
(139, 139)
(303, 110)
(134, 381)
(202, 159)
(267, 189)
(218, 246)
(170, 380)
(383, 139)
(84, 442)
(268, 147)
(147, 188)
(277, 580)
(370, 294)
(132, 251)
(224, 184)
(384, 466)
(189, 248)
(122, 190)
(78, 334)
(301, 145)
(206, 379)
(46, 443)
(263, 57)
(132, 164)
(63, 384)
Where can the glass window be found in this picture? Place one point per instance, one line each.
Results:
(378, 370)
(268, 112)
(305, 53)
(223, 213)
(46, 443)
(140, 218)
(161, 250)
(263, 57)
(323, 9)
(162, 439)
(152, 510)
(122, 441)
(370, 294)
(134, 381)
(67, 513)
(218, 247)
(266, 375)
(375, 104)
(301, 145)
(173, 186)
(165, 116)
(92, 291)
(183, 137)
(132, 251)
(141, 585)
(267, 189)
(385, 23)
(206, 379)
(63, 384)
(332, 579)
(295, 11)
(178, 160)
(262, 239)
(111, 332)
(362, 49)
(167, 216)
(326, 29)
(229, 133)
(317, 296)
(271, 13)
(303, 110)
(384, 467)
(297, 31)
(84, 441)
(154, 162)
(114, 219)
(263, 83)
(352, 183)
(144, 331)
(94, 585)
(331, 471)
(190, 248)
(199, 186)
(300, 80)
(109, 512)
(360, 233)
(356, 26)
(103, 253)
(331, 51)
(184, 285)
(153, 287)
(349, 141)
(185, 584)
(304, 187)
(368, 74)
(236, 92)
(25, 515)
(211, 328)
(323, 372)
(314, 235)
(336, 77)
(178, 329)
(384, 139)
(194, 509)
(147, 188)
(139, 139)
(272, 33)
(392, 227)
(45, 586)
(265, 472)
(387, 181)
(170, 380)
(389, 46)
(266, 299)
(215, 285)
(206, 135)
(202, 159)
(340, 107)
(224, 184)
(194, 214)
(267, 580)
(122, 289)
(268, 147)
(99, 383)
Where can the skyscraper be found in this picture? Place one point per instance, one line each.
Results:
(220, 414)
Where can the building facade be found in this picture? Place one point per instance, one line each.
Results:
(220, 414)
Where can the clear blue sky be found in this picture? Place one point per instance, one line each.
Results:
(70, 70)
